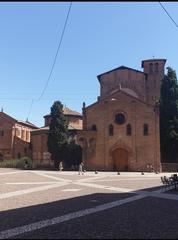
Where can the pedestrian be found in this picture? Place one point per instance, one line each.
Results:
(60, 166)
(81, 168)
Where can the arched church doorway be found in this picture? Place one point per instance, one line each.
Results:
(120, 159)
(1, 157)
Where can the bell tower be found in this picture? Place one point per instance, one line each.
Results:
(154, 69)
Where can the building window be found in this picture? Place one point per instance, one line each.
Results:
(1, 133)
(151, 68)
(28, 136)
(156, 67)
(145, 129)
(19, 155)
(111, 130)
(1, 157)
(129, 130)
(23, 134)
(120, 118)
(94, 128)
(25, 151)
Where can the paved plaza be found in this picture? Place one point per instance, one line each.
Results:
(64, 205)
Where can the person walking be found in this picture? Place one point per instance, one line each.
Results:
(60, 166)
(81, 168)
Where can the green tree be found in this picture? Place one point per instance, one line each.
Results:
(169, 117)
(57, 136)
(73, 153)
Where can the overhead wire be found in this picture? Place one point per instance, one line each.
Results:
(54, 61)
(30, 109)
(168, 14)
(57, 52)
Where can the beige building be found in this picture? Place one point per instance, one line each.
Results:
(121, 129)
(14, 137)
(40, 155)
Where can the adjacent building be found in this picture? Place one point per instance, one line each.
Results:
(121, 129)
(14, 137)
(40, 155)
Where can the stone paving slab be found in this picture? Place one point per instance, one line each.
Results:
(33, 213)
(6, 188)
(148, 218)
(51, 199)
(133, 184)
(22, 177)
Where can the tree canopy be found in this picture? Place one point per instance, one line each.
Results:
(169, 117)
(57, 136)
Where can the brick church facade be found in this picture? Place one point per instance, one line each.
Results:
(121, 129)
(14, 137)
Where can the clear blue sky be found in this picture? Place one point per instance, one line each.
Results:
(99, 36)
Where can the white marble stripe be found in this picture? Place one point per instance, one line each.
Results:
(71, 190)
(121, 179)
(49, 222)
(8, 173)
(30, 183)
(26, 191)
(93, 185)
(52, 177)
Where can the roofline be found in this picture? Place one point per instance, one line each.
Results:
(67, 114)
(119, 90)
(99, 76)
(154, 60)
(30, 125)
(9, 116)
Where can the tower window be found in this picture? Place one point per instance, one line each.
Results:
(156, 67)
(129, 130)
(151, 67)
(1, 133)
(94, 128)
(111, 130)
(145, 129)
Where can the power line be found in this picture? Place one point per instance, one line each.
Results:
(168, 14)
(55, 58)
(30, 109)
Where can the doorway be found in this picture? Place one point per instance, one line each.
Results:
(120, 159)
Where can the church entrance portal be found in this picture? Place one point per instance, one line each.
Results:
(120, 159)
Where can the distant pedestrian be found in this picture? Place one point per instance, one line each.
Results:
(81, 168)
(60, 166)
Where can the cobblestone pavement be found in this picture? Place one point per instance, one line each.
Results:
(54, 205)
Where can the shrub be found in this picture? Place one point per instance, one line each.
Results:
(24, 163)
(9, 163)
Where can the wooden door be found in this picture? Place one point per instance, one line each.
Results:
(120, 159)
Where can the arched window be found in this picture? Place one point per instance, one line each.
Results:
(111, 130)
(145, 129)
(129, 129)
(156, 67)
(94, 128)
(151, 68)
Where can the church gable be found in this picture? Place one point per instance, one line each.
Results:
(6, 119)
(123, 77)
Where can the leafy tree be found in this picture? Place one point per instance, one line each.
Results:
(57, 136)
(73, 154)
(169, 117)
